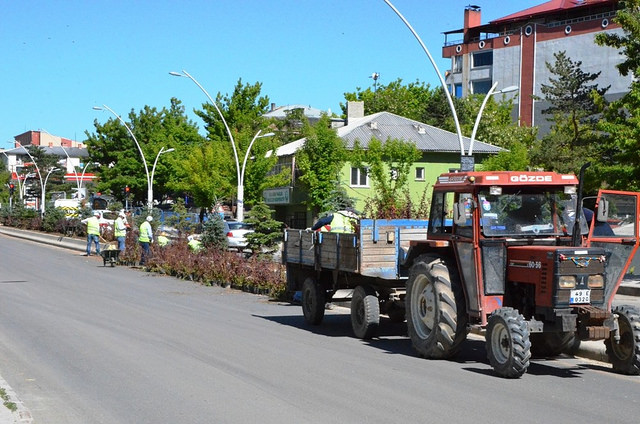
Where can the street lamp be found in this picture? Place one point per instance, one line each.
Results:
(42, 207)
(239, 172)
(144, 161)
(240, 198)
(44, 186)
(484, 103)
(444, 84)
(153, 170)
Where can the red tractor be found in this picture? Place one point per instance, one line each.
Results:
(512, 254)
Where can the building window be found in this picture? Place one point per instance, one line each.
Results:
(420, 174)
(457, 90)
(359, 177)
(457, 64)
(482, 59)
(481, 87)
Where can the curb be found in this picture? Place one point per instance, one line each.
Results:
(50, 239)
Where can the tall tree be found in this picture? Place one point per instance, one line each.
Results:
(620, 151)
(121, 163)
(320, 162)
(388, 167)
(242, 112)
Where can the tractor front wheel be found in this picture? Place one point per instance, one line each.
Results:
(625, 354)
(508, 345)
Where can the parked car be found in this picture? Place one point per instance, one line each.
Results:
(236, 234)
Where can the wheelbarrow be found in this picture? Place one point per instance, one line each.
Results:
(110, 254)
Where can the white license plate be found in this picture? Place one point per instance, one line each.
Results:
(580, 296)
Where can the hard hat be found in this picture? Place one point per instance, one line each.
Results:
(149, 218)
(96, 213)
(122, 214)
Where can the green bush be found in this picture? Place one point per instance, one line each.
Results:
(213, 235)
(54, 220)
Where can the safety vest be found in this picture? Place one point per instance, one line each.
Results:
(145, 232)
(162, 241)
(339, 224)
(120, 229)
(93, 226)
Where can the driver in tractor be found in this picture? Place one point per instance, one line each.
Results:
(529, 216)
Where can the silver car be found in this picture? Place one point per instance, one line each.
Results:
(236, 234)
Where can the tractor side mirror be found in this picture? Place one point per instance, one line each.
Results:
(459, 213)
(603, 210)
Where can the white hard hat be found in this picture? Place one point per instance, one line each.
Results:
(149, 218)
(96, 213)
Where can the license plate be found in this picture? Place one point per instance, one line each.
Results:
(580, 296)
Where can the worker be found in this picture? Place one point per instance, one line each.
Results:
(145, 239)
(93, 232)
(194, 244)
(163, 240)
(600, 229)
(343, 221)
(120, 230)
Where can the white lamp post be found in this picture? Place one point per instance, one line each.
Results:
(239, 172)
(44, 186)
(444, 84)
(153, 170)
(484, 103)
(240, 201)
(42, 207)
(144, 161)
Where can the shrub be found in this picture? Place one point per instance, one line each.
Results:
(213, 235)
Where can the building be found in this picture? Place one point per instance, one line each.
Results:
(440, 153)
(514, 49)
(44, 139)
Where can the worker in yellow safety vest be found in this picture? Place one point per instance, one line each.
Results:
(93, 232)
(343, 221)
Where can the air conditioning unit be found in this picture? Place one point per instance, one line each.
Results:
(373, 125)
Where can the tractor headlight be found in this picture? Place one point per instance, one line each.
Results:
(567, 281)
(596, 281)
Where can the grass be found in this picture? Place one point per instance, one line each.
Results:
(5, 397)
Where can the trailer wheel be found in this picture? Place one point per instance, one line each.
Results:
(625, 355)
(508, 345)
(435, 308)
(365, 312)
(313, 300)
(553, 344)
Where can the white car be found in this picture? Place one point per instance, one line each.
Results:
(236, 234)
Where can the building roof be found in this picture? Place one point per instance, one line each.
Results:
(549, 7)
(386, 125)
(74, 152)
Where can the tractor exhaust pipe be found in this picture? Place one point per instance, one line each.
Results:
(576, 236)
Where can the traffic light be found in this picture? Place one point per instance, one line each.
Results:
(11, 188)
(126, 191)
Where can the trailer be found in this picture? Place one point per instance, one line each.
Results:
(366, 267)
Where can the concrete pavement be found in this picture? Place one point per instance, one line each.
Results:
(628, 294)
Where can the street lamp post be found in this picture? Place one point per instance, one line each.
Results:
(484, 103)
(42, 206)
(153, 170)
(239, 171)
(144, 161)
(444, 84)
(240, 197)
(44, 186)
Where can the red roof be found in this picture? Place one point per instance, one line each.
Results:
(551, 6)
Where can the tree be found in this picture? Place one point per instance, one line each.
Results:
(267, 232)
(620, 150)
(242, 112)
(388, 165)
(121, 163)
(320, 161)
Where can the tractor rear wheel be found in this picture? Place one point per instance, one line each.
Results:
(313, 300)
(365, 312)
(508, 345)
(435, 308)
(625, 355)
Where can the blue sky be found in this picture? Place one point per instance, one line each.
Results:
(61, 58)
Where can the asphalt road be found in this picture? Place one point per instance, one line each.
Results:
(80, 343)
